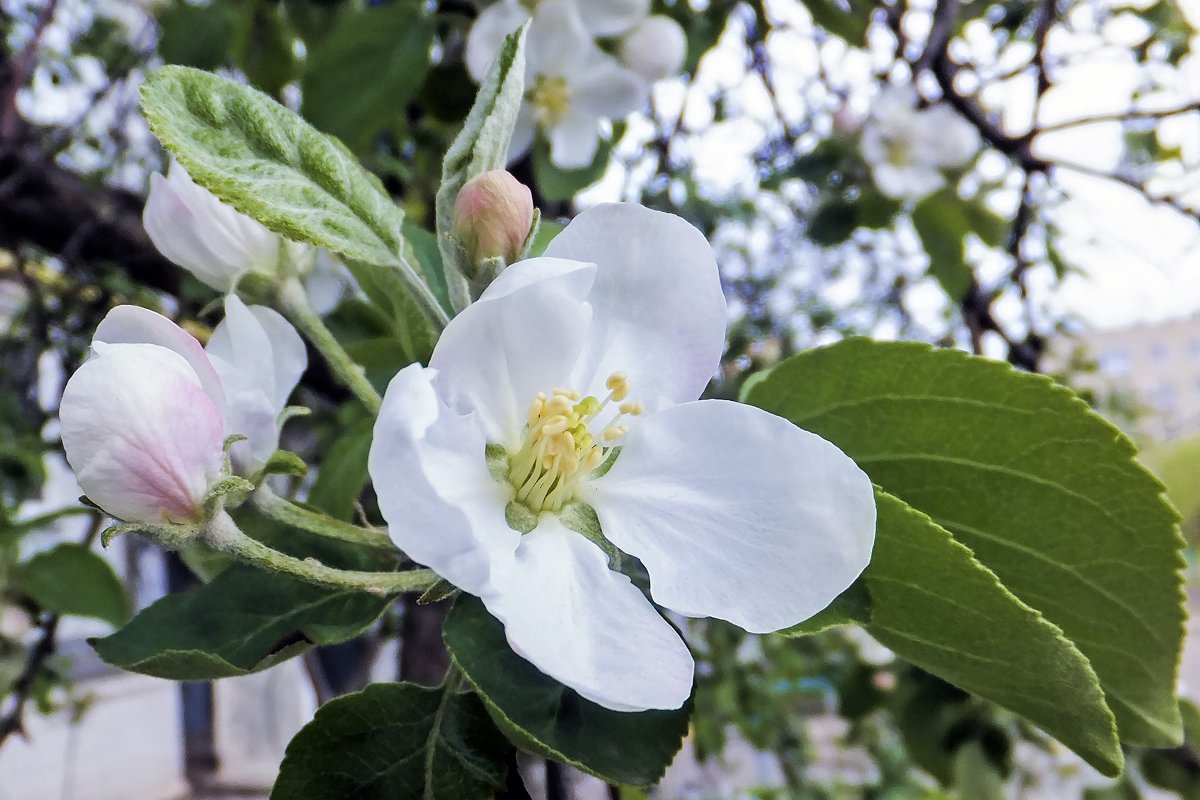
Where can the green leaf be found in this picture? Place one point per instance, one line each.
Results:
(263, 44)
(243, 621)
(942, 221)
(361, 75)
(1045, 492)
(480, 146)
(939, 608)
(267, 162)
(975, 776)
(388, 290)
(546, 718)
(71, 579)
(851, 607)
(196, 36)
(848, 20)
(425, 248)
(833, 222)
(395, 740)
(343, 472)
(557, 184)
(283, 462)
(544, 236)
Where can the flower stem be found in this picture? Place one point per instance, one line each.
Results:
(285, 511)
(294, 304)
(223, 534)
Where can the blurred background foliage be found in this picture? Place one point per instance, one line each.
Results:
(758, 144)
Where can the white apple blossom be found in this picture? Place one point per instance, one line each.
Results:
(571, 85)
(572, 384)
(655, 48)
(908, 148)
(598, 18)
(145, 418)
(220, 245)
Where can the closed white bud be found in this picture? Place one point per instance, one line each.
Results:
(655, 48)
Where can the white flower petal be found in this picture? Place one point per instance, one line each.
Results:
(737, 514)
(603, 88)
(950, 140)
(521, 337)
(658, 311)
(326, 282)
(655, 48)
(557, 43)
(443, 507)
(603, 18)
(136, 325)
(142, 435)
(911, 181)
(574, 140)
(214, 242)
(587, 626)
(260, 359)
(487, 35)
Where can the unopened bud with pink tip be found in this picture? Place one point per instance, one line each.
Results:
(492, 217)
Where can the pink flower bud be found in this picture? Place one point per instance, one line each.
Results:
(492, 216)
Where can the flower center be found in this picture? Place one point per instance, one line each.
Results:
(559, 448)
(551, 98)
(899, 152)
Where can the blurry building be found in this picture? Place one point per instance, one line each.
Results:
(1156, 366)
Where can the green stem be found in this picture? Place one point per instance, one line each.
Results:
(285, 511)
(421, 292)
(223, 534)
(294, 304)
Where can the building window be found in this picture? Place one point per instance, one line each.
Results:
(1194, 348)
(1114, 362)
(1159, 353)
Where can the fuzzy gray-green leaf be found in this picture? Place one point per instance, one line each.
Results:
(266, 162)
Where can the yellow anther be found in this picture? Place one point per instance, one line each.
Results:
(559, 446)
(550, 98)
(614, 432)
(631, 408)
(536, 408)
(618, 384)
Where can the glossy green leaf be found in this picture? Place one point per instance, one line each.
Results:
(546, 718)
(847, 19)
(343, 472)
(425, 248)
(71, 579)
(558, 184)
(196, 36)
(395, 740)
(389, 292)
(360, 76)
(851, 607)
(243, 621)
(267, 162)
(939, 608)
(942, 223)
(1046, 493)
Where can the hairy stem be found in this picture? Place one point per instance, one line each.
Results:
(296, 516)
(223, 534)
(294, 304)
